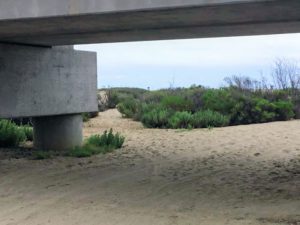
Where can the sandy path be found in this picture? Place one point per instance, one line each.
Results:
(235, 175)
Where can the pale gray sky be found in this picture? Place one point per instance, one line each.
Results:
(157, 64)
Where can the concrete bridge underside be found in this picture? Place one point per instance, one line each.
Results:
(55, 84)
(67, 22)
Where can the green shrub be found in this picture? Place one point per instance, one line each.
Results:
(85, 151)
(128, 108)
(112, 98)
(98, 144)
(284, 110)
(41, 155)
(28, 130)
(154, 97)
(156, 118)
(181, 120)
(176, 103)
(161, 109)
(208, 118)
(10, 134)
(241, 111)
(219, 100)
(248, 110)
(107, 139)
(263, 110)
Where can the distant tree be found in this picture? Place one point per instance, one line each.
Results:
(286, 74)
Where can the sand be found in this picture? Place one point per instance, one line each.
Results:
(234, 175)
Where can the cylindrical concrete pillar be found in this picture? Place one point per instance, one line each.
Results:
(57, 132)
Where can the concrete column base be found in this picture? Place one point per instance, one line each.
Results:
(57, 132)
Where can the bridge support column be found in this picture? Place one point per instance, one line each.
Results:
(57, 132)
(53, 86)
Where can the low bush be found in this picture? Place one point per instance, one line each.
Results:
(284, 110)
(156, 118)
(233, 105)
(28, 130)
(181, 120)
(99, 144)
(85, 151)
(112, 98)
(128, 108)
(10, 134)
(209, 118)
(41, 155)
(107, 139)
(153, 97)
(176, 103)
(219, 100)
(262, 111)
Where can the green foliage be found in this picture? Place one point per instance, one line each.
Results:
(284, 110)
(153, 97)
(249, 110)
(263, 110)
(10, 134)
(176, 103)
(115, 96)
(112, 98)
(128, 108)
(28, 130)
(99, 144)
(41, 155)
(156, 118)
(208, 119)
(107, 139)
(86, 151)
(172, 108)
(219, 100)
(181, 120)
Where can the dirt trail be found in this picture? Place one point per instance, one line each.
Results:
(234, 175)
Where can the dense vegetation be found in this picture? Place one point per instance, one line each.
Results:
(99, 144)
(199, 107)
(12, 135)
(241, 101)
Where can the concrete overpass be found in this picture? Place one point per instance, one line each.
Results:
(66, 22)
(55, 84)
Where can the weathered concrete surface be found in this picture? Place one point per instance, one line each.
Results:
(15, 9)
(65, 22)
(57, 132)
(39, 81)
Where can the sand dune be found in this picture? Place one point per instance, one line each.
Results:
(234, 175)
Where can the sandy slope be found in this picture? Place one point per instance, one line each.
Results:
(236, 175)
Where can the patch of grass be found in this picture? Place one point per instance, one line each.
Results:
(98, 144)
(89, 150)
(28, 130)
(107, 139)
(10, 134)
(42, 155)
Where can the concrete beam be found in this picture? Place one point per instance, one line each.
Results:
(39, 81)
(17, 9)
(65, 22)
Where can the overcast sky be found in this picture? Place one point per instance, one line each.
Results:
(181, 63)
